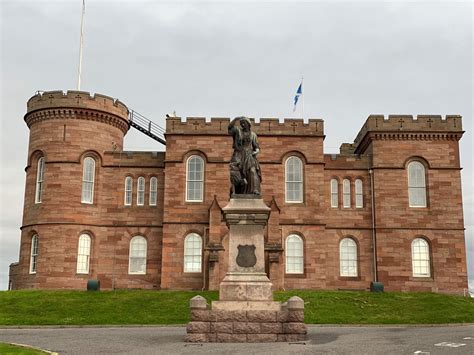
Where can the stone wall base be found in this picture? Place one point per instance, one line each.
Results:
(243, 322)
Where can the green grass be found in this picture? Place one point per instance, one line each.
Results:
(172, 307)
(6, 349)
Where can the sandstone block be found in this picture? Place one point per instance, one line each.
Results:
(282, 316)
(295, 303)
(198, 327)
(296, 316)
(198, 302)
(271, 328)
(223, 315)
(197, 338)
(222, 327)
(202, 315)
(294, 328)
(261, 316)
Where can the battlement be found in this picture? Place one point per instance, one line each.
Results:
(77, 99)
(265, 126)
(407, 123)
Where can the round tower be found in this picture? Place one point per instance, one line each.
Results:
(65, 193)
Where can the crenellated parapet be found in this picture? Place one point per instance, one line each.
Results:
(265, 126)
(421, 127)
(79, 105)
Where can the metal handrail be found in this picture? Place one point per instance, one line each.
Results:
(155, 131)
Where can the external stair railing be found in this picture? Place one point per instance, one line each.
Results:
(147, 127)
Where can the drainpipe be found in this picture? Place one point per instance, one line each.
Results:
(374, 236)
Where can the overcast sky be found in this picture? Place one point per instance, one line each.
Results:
(226, 59)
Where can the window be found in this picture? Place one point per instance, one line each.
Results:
(88, 175)
(153, 189)
(294, 180)
(416, 184)
(294, 254)
(334, 193)
(192, 253)
(128, 191)
(194, 178)
(141, 191)
(420, 256)
(34, 254)
(359, 194)
(348, 257)
(137, 258)
(83, 254)
(39, 180)
(346, 193)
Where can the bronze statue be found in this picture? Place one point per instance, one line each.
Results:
(245, 174)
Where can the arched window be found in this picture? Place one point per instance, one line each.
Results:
(359, 194)
(141, 191)
(88, 176)
(294, 254)
(334, 193)
(34, 254)
(420, 258)
(348, 257)
(137, 256)
(194, 178)
(192, 253)
(294, 180)
(83, 254)
(346, 193)
(153, 191)
(128, 191)
(39, 180)
(416, 184)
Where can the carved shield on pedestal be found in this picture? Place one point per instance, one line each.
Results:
(246, 256)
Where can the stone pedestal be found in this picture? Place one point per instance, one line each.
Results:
(246, 311)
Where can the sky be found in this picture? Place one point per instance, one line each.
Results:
(226, 59)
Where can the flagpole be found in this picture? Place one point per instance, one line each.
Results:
(81, 43)
(302, 99)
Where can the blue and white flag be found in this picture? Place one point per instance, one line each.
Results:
(299, 92)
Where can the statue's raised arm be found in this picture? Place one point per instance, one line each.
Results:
(245, 174)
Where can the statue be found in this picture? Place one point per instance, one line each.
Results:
(245, 174)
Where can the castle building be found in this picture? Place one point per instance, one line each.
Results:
(388, 208)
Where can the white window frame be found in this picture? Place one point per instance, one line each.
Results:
(416, 188)
(137, 254)
(420, 258)
(34, 254)
(39, 180)
(348, 258)
(153, 191)
(294, 255)
(359, 193)
(88, 181)
(197, 180)
(127, 199)
(294, 181)
(141, 191)
(193, 253)
(346, 193)
(83, 254)
(334, 193)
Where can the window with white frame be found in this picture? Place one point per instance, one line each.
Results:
(194, 178)
(83, 254)
(34, 254)
(153, 191)
(39, 180)
(294, 254)
(334, 193)
(346, 193)
(192, 253)
(88, 176)
(416, 184)
(359, 194)
(141, 191)
(420, 258)
(294, 180)
(348, 257)
(128, 191)
(137, 256)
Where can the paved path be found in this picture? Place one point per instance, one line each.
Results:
(321, 340)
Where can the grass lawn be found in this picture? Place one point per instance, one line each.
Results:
(171, 307)
(6, 349)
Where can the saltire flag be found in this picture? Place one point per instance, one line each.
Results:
(299, 92)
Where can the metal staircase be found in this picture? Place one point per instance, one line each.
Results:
(147, 127)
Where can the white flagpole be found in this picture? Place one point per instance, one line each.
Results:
(81, 42)
(302, 99)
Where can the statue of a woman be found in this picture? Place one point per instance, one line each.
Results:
(245, 174)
